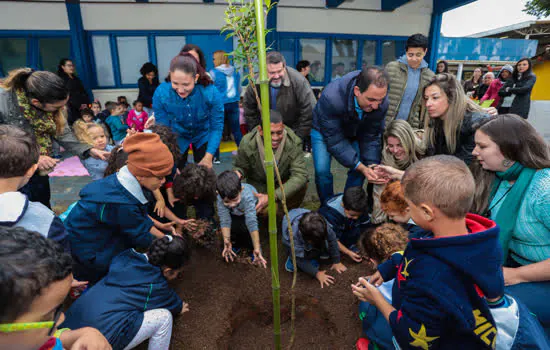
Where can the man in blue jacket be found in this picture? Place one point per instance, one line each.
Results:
(348, 122)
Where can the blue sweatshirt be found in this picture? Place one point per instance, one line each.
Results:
(440, 289)
(228, 83)
(116, 304)
(196, 119)
(411, 89)
(110, 217)
(246, 207)
(118, 128)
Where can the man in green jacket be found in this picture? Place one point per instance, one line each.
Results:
(289, 155)
(408, 76)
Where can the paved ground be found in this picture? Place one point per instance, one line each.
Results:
(65, 189)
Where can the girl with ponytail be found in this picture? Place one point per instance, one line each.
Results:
(134, 302)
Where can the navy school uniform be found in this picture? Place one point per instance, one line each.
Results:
(115, 305)
(110, 217)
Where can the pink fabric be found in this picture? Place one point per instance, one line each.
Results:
(492, 92)
(242, 120)
(137, 121)
(69, 167)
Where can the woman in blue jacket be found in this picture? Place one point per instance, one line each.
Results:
(133, 302)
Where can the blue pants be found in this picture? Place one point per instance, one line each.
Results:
(375, 326)
(231, 112)
(322, 160)
(535, 296)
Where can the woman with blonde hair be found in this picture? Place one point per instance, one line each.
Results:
(402, 147)
(35, 101)
(452, 115)
(227, 81)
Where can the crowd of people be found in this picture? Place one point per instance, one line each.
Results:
(453, 216)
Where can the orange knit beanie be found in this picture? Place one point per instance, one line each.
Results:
(147, 155)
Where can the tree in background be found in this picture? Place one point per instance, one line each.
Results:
(539, 8)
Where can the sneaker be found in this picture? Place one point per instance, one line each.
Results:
(217, 161)
(288, 265)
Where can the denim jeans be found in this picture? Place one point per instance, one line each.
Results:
(322, 160)
(535, 296)
(231, 112)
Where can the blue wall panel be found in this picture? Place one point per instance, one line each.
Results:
(209, 44)
(485, 49)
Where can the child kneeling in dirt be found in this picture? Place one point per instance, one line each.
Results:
(347, 214)
(313, 240)
(35, 275)
(134, 302)
(111, 215)
(238, 220)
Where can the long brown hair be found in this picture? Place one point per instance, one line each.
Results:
(518, 141)
(44, 86)
(459, 105)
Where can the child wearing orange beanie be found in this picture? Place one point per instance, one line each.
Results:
(111, 215)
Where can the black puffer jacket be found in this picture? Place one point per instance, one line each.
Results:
(465, 142)
(522, 89)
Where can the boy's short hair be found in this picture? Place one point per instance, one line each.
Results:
(29, 263)
(110, 105)
(442, 181)
(355, 199)
(228, 185)
(313, 228)
(379, 243)
(302, 65)
(195, 181)
(19, 151)
(86, 111)
(417, 40)
(393, 198)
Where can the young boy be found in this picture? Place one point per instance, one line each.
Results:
(348, 216)
(19, 155)
(443, 285)
(392, 202)
(117, 125)
(35, 278)
(313, 240)
(111, 215)
(237, 212)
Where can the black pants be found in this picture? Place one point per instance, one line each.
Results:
(240, 236)
(204, 210)
(38, 189)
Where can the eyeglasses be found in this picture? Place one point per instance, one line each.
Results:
(25, 326)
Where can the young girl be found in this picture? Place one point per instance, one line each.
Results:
(80, 126)
(134, 302)
(96, 108)
(380, 243)
(96, 167)
(137, 117)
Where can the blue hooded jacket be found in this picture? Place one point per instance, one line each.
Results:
(196, 119)
(115, 305)
(107, 220)
(336, 119)
(440, 289)
(227, 81)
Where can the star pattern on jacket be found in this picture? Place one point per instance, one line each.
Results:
(421, 339)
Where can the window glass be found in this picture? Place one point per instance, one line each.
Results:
(369, 53)
(391, 50)
(103, 61)
(344, 57)
(286, 47)
(13, 54)
(133, 52)
(167, 48)
(313, 50)
(52, 50)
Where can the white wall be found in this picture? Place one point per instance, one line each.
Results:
(18, 15)
(414, 17)
(104, 95)
(538, 117)
(152, 16)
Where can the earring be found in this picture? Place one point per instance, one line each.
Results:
(506, 163)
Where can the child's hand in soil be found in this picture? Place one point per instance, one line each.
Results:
(167, 227)
(184, 308)
(259, 259)
(355, 256)
(228, 254)
(324, 279)
(159, 208)
(339, 267)
(366, 291)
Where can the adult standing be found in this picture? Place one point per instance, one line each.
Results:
(492, 93)
(442, 67)
(34, 101)
(147, 85)
(408, 76)
(516, 92)
(196, 52)
(304, 67)
(289, 94)
(450, 128)
(470, 86)
(78, 97)
(513, 189)
(348, 122)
